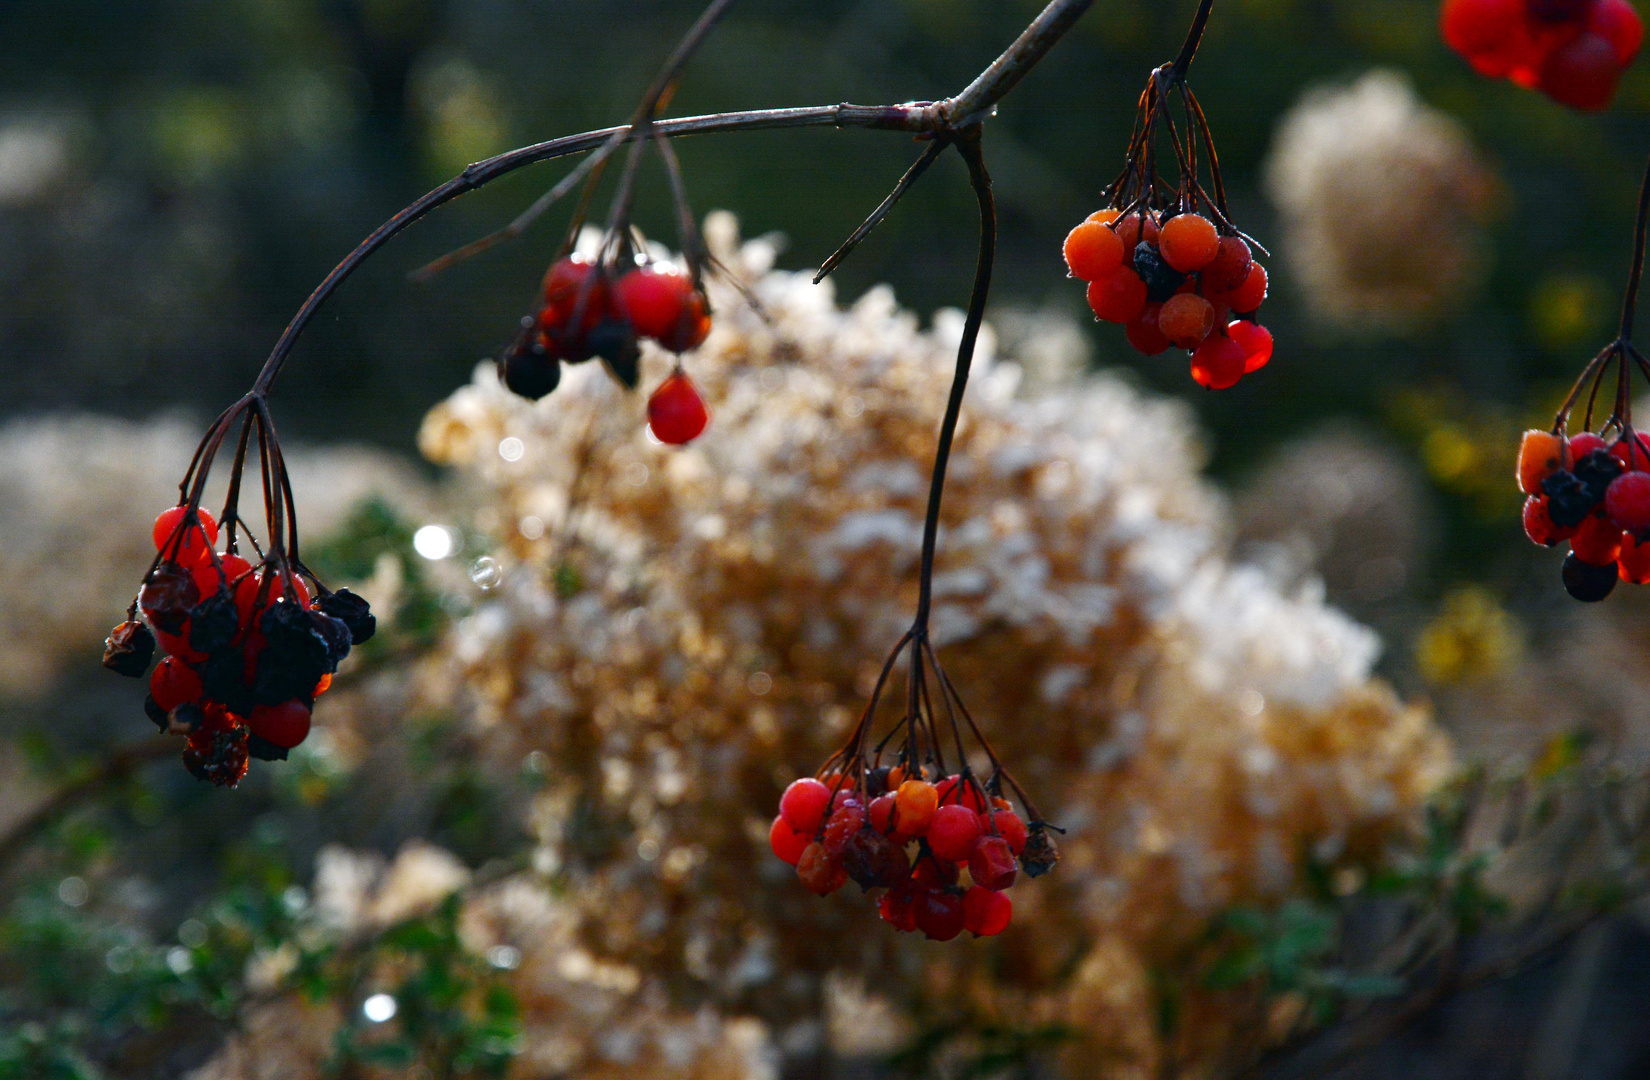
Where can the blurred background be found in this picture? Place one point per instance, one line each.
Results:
(175, 177)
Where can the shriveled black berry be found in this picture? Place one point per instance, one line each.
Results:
(615, 342)
(876, 782)
(530, 372)
(128, 649)
(167, 596)
(190, 715)
(336, 634)
(1596, 470)
(261, 748)
(1161, 279)
(1586, 582)
(1039, 855)
(1569, 501)
(354, 612)
(213, 622)
(866, 858)
(152, 709)
(223, 677)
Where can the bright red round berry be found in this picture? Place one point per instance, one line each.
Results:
(786, 842)
(676, 413)
(1186, 319)
(986, 913)
(898, 908)
(285, 725)
(1013, 830)
(1627, 501)
(192, 548)
(1219, 362)
(1633, 564)
(1539, 525)
(1118, 297)
(661, 303)
(1252, 293)
(953, 832)
(1598, 541)
(1230, 267)
(1255, 340)
(939, 915)
(174, 683)
(803, 804)
(1582, 74)
(1618, 23)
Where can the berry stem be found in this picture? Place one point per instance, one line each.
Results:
(912, 175)
(1194, 37)
(1631, 300)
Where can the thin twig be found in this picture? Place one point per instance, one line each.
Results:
(912, 175)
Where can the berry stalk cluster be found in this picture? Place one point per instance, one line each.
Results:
(1574, 51)
(248, 645)
(1164, 260)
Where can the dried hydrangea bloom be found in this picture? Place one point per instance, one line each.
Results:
(680, 631)
(1380, 198)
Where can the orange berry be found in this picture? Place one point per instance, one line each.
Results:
(914, 806)
(1133, 231)
(1252, 293)
(1540, 453)
(1104, 217)
(1186, 319)
(1118, 297)
(322, 685)
(1189, 242)
(1093, 251)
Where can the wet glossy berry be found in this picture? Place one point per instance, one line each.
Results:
(192, 548)
(786, 842)
(939, 915)
(1582, 445)
(1627, 501)
(803, 804)
(1104, 217)
(991, 863)
(986, 913)
(916, 800)
(953, 832)
(1230, 266)
(880, 813)
(819, 873)
(1582, 74)
(1117, 297)
(1188, 242)
(1218, 363)
(1255, 340)
(1144, 333)
(1092, 251)
(847, 818)
(174, 683)
(675, 412)
(661, 303)
(1252, 293)
(1586, 582)
(1539, 525)
(1186, 319)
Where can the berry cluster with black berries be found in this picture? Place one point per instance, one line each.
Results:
(248, 648)
(1574, 51)
(914, 838)
(1175, 281)
(1595, 495)
(589, 311)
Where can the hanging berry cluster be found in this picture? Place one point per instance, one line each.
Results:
(911, 827)
(249, 646)
(1574, 51)
(1164, 260)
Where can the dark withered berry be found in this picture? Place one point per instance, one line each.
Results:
(867, 856)
(1596, 470)
(128, 649)
(1039, 855)
(530, 372)
(1568, 499)
(1161, 279)
(876, 782)
(1586, 582)
(336, 634)
(167, 596)
(190, 716)
(223, 677)
(213, 622)
(354, 612)
(152, 709)
(615, 342)
(261, 748)
(218, 758)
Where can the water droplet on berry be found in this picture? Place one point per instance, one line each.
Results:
(486, 573)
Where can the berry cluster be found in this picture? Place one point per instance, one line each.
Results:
(864, 827)
(1596, 495)
(589, 311)
(1177, 281)
(248, 649)
(1574, 51)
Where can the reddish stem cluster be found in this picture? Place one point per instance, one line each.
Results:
(1175, 281)
(1574, 51)
(864, 827)
(1596, 496)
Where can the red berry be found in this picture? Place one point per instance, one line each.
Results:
(1252, 293)
(1118, 297)
(1230, 267)
(1633, 564)
(1186, 319)
(1013, 830)
(1627, 501)
(786, 842)
(565, 284)
(661, 303)
(1582, 445)
(1598, 540)
(939, 915)
(209, 580)
(1475, 27)
(1092, 251)
(953, 831)
(676, 412)
(192, 548)
(881, 813)
(986, 913)
(991, 863)
(932, 872)
(898, 908)
(1218, 363)
(174, 683)
(1143, 332)
(1539, 525)
(1133, 231)
(1617, 22)
(846, 820)
(819, 873)
(954, 790)
(285, 725)
(1640, 452)
(803, 804)
(1255, 340)
(1581, 74)
(1188, 242)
